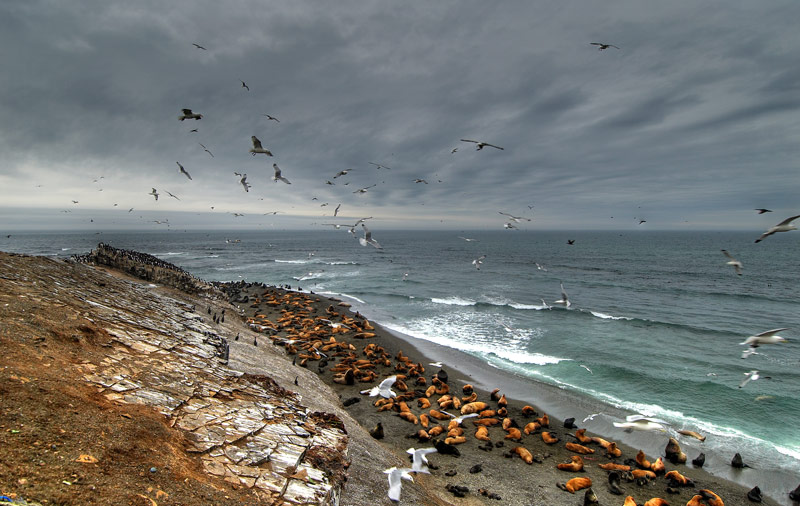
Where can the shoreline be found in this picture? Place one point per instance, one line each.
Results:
(515, 488)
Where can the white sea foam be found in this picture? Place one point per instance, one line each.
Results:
(293, 261)
(527, 306)
(453, 301)
(346, 296)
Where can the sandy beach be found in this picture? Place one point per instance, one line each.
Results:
(488, 469)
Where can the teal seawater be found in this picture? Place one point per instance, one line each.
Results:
(654, 327)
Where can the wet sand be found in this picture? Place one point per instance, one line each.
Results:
(488, 470)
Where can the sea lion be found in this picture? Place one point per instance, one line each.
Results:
(467, 389)
(658, 466)
(486, 422)
(409, 417)
(473, 407)
(700, 460)
(574, 447)
(423, 436)
(678, 480)
(482, 433)
(430, 391)
(569, 423)
(754, 494)
(590, 498)
(693, 434)
(424, 420)
(629, 501)
(674, 453)
(524, 454)
(794, 495)
(656, 501)
(377, 431)
(531, 427)
(613, 466)
(528, 411)
(737, 462)
(487, 413)
(711, 498)
(575, 464)
(455, 431)
(435, 431)
(581, 436)
(507, 422)
(575, 484)
(543, 420)
(470, 398)
(612, 451)
(614, 481)
(513, 433)
(550, 438)
(502, 402)
(455, 440)
(494, 394)
(643, 473)
(696, 500)
(423, 402)
(433, 413)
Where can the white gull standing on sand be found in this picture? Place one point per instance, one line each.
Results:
(768, 337)
(395, 476)
(784, 226)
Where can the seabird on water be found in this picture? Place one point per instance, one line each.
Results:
(784, 226)
(737, 265)
(564, 300)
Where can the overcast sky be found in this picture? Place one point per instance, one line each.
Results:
(692, 123)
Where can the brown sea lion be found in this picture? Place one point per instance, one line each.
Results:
(711, 498)
(513, 433)
(574, 447)
(581, 436)
(678, 480)
(643, 473)
(641, 460)
(656, 501)
(575, 484)
(696, 500)
(658, 466)
(473, 407)
(693, 434)
(455, 440)
(423, 402)
(524, 454)
(549, 438)
(613, 466)
(482, 433)
(424, 420)
(629, 501)
(612, 451)
(674, 453)
(531, 427)
(575, 464)
(528, 411)
(486, 422)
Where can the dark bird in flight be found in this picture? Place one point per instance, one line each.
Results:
(336, 211)
(570, 241)
(273, 118)
(188, 114)
(206, 150)
(481, 145)
(420, 181)
(379, 166)
(257, 148)
(453, 151)
(183, 171)
(193, 130)
(601, 46)
(642, 221)
(171, 195)
(342, 173)
(154, 193)
(198, 46)
(244, 85)
(762, 211)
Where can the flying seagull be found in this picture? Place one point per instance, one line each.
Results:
(453, 150)
(508, 226)
(516, 219)
(395, 480)
(762, 211)
(336, 211)
(364, 190)
(188, 114)
(244, 182)
(171, 195)
(244, 85)
(457, 419)
(639, 422)
(367, 239)
(751, 376)
(601, 46)
(206, 149)
(154, 193)
(257, 147)
(420, 181)
(737, 265)
(183, 171)
(481, 145)
(277, 177)
(198, 46)
(384, 388)
(784, 226)
(478, 262)
(768, 337)
(564, 299)
(420, 458)
(468, 239)
(342, 173)
(273, 118)
(379, 166)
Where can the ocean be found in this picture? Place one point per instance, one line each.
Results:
(654, 326)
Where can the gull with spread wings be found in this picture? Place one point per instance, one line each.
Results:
(481, 145)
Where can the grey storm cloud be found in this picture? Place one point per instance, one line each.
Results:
(695, 114)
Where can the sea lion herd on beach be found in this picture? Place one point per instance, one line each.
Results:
(333, 339)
